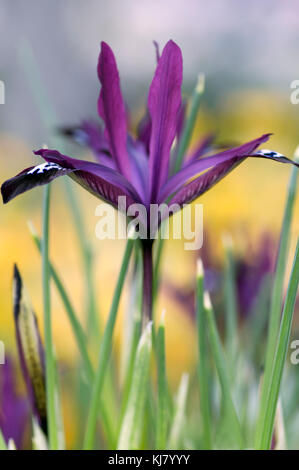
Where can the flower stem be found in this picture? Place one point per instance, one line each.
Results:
(50, 361)
(147, 255)
(276, 301)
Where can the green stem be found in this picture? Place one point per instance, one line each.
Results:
(49, 355)
(203, 373)
(276, 301)
(49, 118)
(75, 324)
(2, 442)
(105, 349)
(162, 406)
(280, 355)
(223, 371)
(188, 129)
(231, 305)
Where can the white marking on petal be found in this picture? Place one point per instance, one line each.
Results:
(270, 153)
(45, 167)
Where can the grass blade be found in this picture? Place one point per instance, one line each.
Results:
(276, 300)
(79, 336)
(2, 442)
(223, 371)
(231, 303)
(105, 350)
(162, 406)
(49, 353)
(174, 441)
(203, 374)
(132, 425)
(280, 355)
(188, 129)
(75, 324)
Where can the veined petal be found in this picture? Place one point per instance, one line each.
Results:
(101, 181)
(192, 169)
(30, 178)
(30, 350)
(204, 182)
(164, 104)
(112, 110)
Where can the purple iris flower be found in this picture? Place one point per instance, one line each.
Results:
(140, 169)
(14, 408)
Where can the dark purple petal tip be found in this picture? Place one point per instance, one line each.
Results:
(30, 178)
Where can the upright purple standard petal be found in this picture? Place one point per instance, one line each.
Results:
(164, 104)
(112, 110)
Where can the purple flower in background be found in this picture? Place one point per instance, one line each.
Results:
(139, 169)
(14, 408)
(252, 273)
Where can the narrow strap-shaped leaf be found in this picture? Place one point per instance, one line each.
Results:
(162, 405)
(176, 432)
(223, 372)
(105, 349)
(190, 123)
(131, 429)
(2, 442)
(276, 300)
(203, 373)
(280, 355)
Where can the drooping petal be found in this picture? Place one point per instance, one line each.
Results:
(101, 181)
(203, 183)
(30, 178)
(111, 109)
(164, 104)
(30, 350)
(196, 167)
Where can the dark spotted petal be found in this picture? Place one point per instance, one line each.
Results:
(164, 104)
(101, 181)
(30, 350)
(111, 109)
(30, 178)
